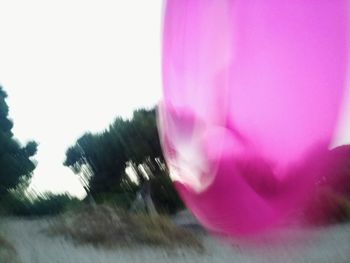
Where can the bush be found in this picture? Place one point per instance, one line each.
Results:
(123, 200)
(46, 204)
(164, 195)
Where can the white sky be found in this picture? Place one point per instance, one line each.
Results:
(70, 66)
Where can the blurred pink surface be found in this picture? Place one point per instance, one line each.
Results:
(252, 92)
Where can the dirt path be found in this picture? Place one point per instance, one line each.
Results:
(319, 246)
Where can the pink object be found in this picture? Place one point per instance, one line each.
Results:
(252, 91)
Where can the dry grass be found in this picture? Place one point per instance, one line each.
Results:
(105, 226)
(160, 231)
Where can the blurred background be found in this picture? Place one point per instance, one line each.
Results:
(80, 155)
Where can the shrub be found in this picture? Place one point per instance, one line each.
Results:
(46, 204)
(123, 200)
(164, 195)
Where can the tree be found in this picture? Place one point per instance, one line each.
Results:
(16, 167)
(100, 159)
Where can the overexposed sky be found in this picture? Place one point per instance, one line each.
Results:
(70, 66)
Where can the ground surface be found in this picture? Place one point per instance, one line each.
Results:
(319, 245)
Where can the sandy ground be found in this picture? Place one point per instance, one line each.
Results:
(321, 246)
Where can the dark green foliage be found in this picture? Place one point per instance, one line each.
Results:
(18, 204)
(15, 163)
(100, 160)
(122, 200)
(164, 195)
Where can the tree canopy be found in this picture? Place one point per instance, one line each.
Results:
(100, 159)
(15, 164)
